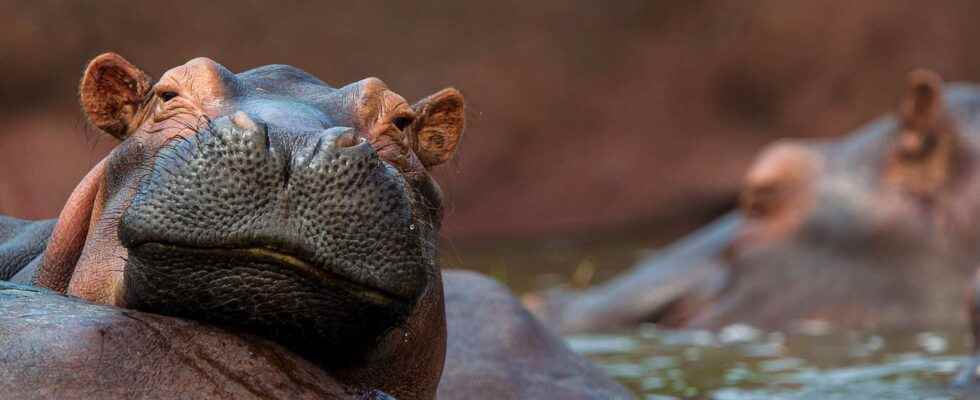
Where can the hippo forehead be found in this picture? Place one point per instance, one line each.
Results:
(280, 95)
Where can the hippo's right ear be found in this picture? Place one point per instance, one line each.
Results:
(111, 92)
(927, 145)
(439, 124)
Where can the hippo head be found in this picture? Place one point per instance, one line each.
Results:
(897, 181)
(875, 228)
(266, 201)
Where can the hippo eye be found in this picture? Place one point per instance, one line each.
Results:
(166, 96)
(761, 200)
(402, 122)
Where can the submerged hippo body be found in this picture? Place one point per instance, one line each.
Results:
(877, 229)
(968, 377)
(299, 218)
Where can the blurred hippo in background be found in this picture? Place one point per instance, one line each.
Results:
(968, 377)
(875, 230)
(263, 235)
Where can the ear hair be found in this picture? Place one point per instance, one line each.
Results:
(111, 93)
(438, 127)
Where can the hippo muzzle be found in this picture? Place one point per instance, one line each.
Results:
(296, 235)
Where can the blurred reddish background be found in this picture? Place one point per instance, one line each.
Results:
(583, 116)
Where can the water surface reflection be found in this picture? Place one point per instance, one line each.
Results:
(811, 362)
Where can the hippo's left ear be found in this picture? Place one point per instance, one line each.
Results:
(439, 123)
(111, 92)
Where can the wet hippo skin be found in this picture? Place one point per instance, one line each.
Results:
(877, 229)
(263, 235)
(506, 353)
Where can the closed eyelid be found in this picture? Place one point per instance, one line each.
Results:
(163, 88)
(167, 84)
(175, 107)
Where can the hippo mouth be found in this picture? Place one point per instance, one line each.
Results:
(314, 246)
(272, 260)
(313, 308)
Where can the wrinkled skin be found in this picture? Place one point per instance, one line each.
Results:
(875, 230)
(298, 218)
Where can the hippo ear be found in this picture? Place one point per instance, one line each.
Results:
(927, 144)
(439, 123)
(111, 92)
(923, 114)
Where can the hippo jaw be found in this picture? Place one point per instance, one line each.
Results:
(275, 261)
(287, 235)
(325, 317)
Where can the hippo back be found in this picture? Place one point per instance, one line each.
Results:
(21, 244)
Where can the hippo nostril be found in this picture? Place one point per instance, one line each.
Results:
(242, 128)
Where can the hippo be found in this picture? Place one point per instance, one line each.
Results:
(968, 377)
(263, 235)
(874, 230)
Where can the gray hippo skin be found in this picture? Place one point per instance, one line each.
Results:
(498, 350)
(257, 235)
(877, 229)
(60, 347)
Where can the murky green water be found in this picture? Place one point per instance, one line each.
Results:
(740, 362)
(737, 363)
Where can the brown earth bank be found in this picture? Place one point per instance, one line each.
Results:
(584, 116)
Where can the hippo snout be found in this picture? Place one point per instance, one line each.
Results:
(248, 223)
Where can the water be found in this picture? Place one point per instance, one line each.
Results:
(740, 362)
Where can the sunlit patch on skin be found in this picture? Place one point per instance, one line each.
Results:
(779, 191)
